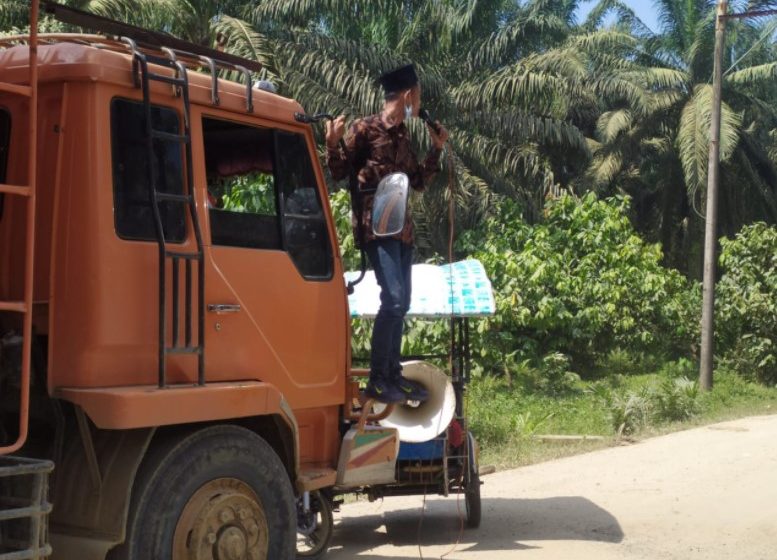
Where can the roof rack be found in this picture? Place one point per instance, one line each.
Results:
(143, 37)
(121, 37)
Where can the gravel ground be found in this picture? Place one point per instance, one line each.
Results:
(704, 494)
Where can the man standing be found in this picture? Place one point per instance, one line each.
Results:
(375, 147)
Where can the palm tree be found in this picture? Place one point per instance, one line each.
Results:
(504, 142)
(513, 132)
(328, 54)
(654, 145)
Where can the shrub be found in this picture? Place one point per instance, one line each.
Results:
(491, 410)
(551, 375)
(676, 399)
(340, 204)
(680, 368)
(628, 411)
(581, 283)
(746, 306)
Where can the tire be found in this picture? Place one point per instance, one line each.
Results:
(219, 492)
(472, 500)
(314, 545)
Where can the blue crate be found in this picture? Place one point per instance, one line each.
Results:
(424, 451)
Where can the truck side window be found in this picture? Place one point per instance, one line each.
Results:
(133, 214)
(5, 140)
(304, 224)
(242, 199)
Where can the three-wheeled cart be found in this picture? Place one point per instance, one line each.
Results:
(446, 462)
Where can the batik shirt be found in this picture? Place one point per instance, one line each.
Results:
(375, 150)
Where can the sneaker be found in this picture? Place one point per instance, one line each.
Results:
(380, 389)
(413, 391)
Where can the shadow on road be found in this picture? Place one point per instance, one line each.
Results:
(508, 524)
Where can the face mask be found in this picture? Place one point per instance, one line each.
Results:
(408, 111)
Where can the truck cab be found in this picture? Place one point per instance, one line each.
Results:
(172, 272)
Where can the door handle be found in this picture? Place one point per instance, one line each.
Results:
(220, 308)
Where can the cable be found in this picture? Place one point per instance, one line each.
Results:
(461, 520)
(768, 30)
(451, 206)
(451, 235)
(420, 524)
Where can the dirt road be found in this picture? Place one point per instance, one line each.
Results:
(707, 493)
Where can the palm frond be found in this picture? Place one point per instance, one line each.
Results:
(509, 161)
(693, 136)
(625, 17)
(517, 127)
(150, 14)
(510, 87)
(316, 98)
(14, 14)
(301, 10)
(605, 166)
(607, 40)
(244, 41)
(509, 42)
(753, 75)
(613, 123)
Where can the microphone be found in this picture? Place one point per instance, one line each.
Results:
(427, 117)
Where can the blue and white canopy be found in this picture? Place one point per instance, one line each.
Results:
(461, 289)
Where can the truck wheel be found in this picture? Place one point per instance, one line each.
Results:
(220, 493)
(314, 529)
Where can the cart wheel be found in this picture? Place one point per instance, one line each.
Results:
(314, 529)
(472, 485)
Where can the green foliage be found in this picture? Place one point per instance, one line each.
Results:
(627, 411)
(679, 368)
(499, 413)
(340, 203)
(621, 361)
(676, 399)
(492, 411)
(550, 375)
(664, 399)
(581, 283)
(746, 305)
(252, 193)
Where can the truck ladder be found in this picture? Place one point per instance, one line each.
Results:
(27, 193)
(180, 85)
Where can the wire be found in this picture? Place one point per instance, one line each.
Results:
(451, 208)
(768, 30)
(420, 524)
(451, 236)
(461, 517)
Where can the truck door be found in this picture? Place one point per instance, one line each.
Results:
(275, 300)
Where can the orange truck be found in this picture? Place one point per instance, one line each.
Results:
(175, 334)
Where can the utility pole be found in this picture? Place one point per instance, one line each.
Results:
(710, 231)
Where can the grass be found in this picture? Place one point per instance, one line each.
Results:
(505, 418)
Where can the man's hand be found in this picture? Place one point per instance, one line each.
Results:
(334, 131)
(438, 138)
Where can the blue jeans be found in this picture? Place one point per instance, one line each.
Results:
(392, 261)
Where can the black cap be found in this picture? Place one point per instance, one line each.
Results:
(399, 79)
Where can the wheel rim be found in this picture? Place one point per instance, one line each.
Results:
(223, 520)
(312, 543)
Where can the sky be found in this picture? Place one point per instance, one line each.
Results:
(643, 8)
